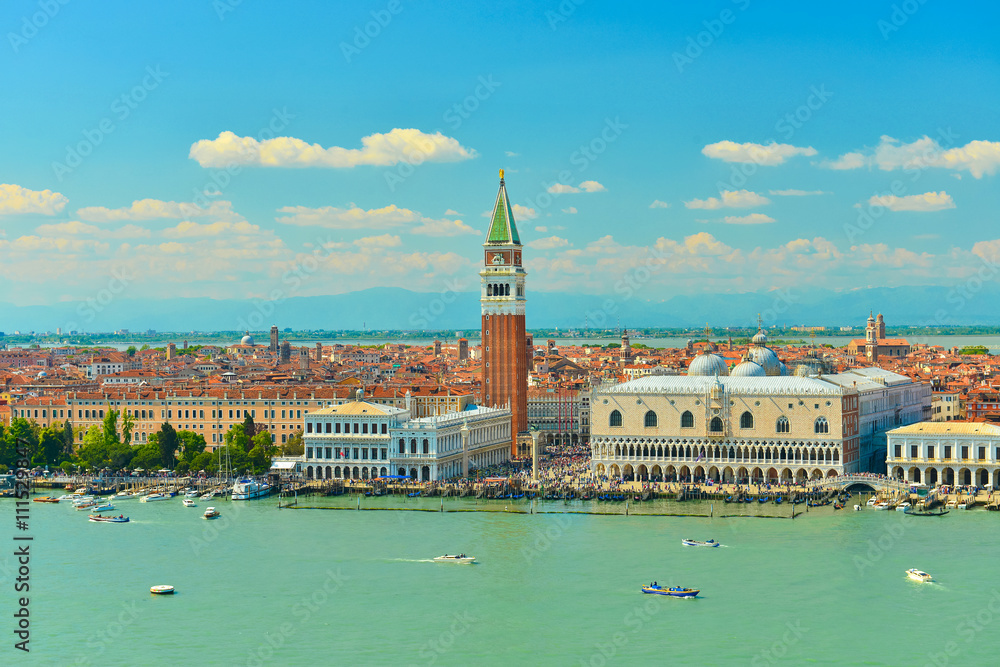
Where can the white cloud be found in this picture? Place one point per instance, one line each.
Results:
(766, 155)
(379, 242)
(452, 212)
(442, 227)
(541, 229)
(730, 199)
(549, 243)
(752, 219)
(562, 189)
(15, 200)
(659, 204)
(571, 210)
(523, 212)
(188, 229)
(77, 228)
(382, 150)
(512, 154)
(153, 209)
(348, 218)
(976, 157)
(928, 201)
(592, 186)
(797, 193)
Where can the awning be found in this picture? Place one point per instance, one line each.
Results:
(283, 465)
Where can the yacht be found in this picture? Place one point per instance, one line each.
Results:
(881, 506)
(106, 507)
(919, 575)
(248, 489)
(125, 495)
(460, 558)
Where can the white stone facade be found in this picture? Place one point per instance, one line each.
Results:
(951, 453)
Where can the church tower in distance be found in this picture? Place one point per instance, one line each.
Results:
(504, 351)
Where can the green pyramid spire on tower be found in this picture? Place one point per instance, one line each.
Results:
(502, 228)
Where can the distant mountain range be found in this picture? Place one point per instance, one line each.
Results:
(394, 308)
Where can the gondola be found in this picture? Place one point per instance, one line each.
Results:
(909, 511)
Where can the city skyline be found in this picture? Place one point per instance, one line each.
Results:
(259, 154)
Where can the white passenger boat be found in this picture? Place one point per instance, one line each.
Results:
(697, 543)
(460, 558)
(919, 575)
(902, 507)
(106, 507)
(211, 513)
(208, 496)
(192, 493)
(248, 489)
(153, 497)
(188, 502)
(125, 495)
(872, 501)
(881, 506)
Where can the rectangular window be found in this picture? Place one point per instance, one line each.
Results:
(337, 427)
(170, 414)
(230, 414)
(947, 451)
(384, 430)
(364, 429)
(364, 453)
(898, 451)
(309, 452)
(930, 451)
(282, 414)
(253, 414)
(309, 427)
(356, 427)
(913, 451)
(965, 451)
(385, 453)
(355, 452)
(982, 453)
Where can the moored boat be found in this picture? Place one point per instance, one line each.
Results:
(248, 489)
(672, 591)
(86, 504)
(154, 497)
(698, 543)
(460, 558)
(919, 575)
(912, 512)
(192, 493)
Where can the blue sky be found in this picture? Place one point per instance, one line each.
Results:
(728, 146)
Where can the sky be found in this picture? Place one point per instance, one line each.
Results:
(242, 149)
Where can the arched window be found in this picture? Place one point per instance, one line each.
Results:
(715, 426)
(782, 426)
(821, 425)
(427, 447)
(650, 419)
(489, 290)
(615, 419)
(402, 446)
(687, 420)
(413, 445)
(746, 420)
(506, 290)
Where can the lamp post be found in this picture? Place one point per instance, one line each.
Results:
(534, 453)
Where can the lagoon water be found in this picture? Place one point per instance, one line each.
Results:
(286, 587)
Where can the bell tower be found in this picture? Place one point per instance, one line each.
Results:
(502, 296)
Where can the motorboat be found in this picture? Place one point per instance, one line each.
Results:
(188, 502)
(154, 497)
(460, 558)
(97, 518)
(106, 507)
(208, 496)
(952, 504)
(86, 504)
(881, 506)
(248, 489)
(672, 591)
(902, 507)
(162, 590)
(962, 506)
(872, 501)
(67, 496)
(857, 508)
(45, 499)
(919, 575)
(125, 495)
(698, 543)
(192, 493)
(211, 513)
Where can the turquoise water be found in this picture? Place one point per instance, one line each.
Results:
(340, 587)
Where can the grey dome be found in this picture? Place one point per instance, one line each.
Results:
(748, 369)
(766, 358)
(247, 340)
(759, 338)
(708, 365)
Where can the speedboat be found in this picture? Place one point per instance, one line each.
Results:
(881, 506)
(153, 497)
(97, 518)
(902, 507)
(188, 502)
(208, 496)
(106, 507)
(193, 493)
(461, 558)
(672, 591)
(211, 513)
(248, 489)
(66, 497)
(162, 590)
(872, 501)
(962, 506)
(698, 543)
(46, 499)
(125, 495)
(86, 504)
(919, 575)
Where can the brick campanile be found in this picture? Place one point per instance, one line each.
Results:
(505, 369)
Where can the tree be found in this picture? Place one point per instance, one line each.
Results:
(191, 444)
(249, 427)
(69, 438)
(147, 457)
(294, 446)
(237, 438)
(128, 423)
(974, 349)
(67, 468)
(204, 461)
(93, 452)
(130, 351)
(50, 446)
(111, 427)
(167, 443)
(261, 453)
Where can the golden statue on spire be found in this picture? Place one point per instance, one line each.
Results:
(501, 174)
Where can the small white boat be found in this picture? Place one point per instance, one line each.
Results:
(208, 496)
(952, 504)
(193, 493)
(211, 513)
(162, 590)
(106, 507)
(902, 507)
(881, 506)
(919, 575)
(857, 508)
(83, 505)
(125, 495)
(460, 558)
(66, 497)
(872, 501)
(962, 506)
(697, 543)
(188, 502)
(153, 497)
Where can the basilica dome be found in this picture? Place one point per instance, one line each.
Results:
(708, 365)
(247, 340)
(748, 369)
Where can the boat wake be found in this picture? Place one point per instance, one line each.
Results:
(410, 560)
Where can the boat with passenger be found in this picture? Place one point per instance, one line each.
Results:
(460, 558)
(192, 493)
(698, 543)
(187, 502)
(154, 497)
(919, 575)
(671, 591)
(97, 518)
(126, 495)
(211, 513)
(248, 489)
